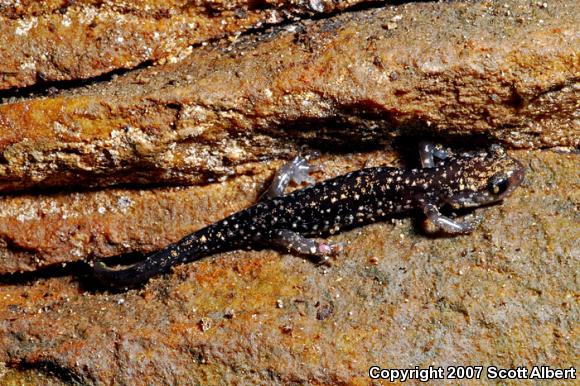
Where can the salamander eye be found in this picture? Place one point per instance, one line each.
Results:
(498, 184)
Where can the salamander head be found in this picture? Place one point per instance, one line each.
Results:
(487, 177)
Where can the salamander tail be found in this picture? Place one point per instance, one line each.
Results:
(139, 273)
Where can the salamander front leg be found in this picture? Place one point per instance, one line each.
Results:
(299, 244)
(445, 224)
(429, 151)
(297, 170)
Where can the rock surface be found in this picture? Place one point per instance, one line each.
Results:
(508, 71)
(504, 295)
(356, 86)
(57, 40)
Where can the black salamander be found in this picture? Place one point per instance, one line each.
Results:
(464, 180)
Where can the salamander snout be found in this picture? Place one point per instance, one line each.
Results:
(507, 177)
(494, 176)
(503, 183)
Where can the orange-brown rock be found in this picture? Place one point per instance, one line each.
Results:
(507, 71)
(504, 296)
(56, 40)
(219, 121)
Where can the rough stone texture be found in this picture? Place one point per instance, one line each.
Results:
(56, 40)
(220, 120)
(506, 70)
(505, 295)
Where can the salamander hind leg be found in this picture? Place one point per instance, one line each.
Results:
(443, 223)
(297, 170)
(429, 151)
(299, 244)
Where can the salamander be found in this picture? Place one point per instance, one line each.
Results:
(288, 221)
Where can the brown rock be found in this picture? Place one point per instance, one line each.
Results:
(503, 295)
(508, 71)
(56, 40)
